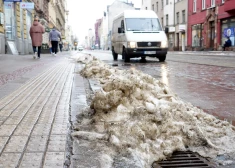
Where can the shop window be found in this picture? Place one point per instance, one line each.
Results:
(10, 27)
(197, 35)
(28, 22)
(228, 30)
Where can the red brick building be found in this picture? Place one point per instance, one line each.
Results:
(209, 22)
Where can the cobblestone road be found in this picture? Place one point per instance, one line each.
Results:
(34, 120)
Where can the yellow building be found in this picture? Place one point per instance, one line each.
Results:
(2, 38)
(15, 28)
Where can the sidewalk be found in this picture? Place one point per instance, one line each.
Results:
(204, 53)
(35, 110)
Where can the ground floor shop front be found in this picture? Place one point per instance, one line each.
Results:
(211, 32)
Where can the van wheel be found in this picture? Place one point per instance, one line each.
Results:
(115, 55)
(125, 55)
(162, 58)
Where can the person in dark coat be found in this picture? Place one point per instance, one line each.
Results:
(36, 31)
(227, 43)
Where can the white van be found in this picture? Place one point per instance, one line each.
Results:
(138, 33)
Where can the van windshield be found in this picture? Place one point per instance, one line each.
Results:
(143, 24)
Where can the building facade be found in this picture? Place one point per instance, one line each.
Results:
(15, 26)
(97, 34)
(60, 16)
(209, 23)
(15, 23)
(147, 5)
(181, 18)
(2, 32)
(113, 10)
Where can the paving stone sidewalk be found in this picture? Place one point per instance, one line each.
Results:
(34, 119)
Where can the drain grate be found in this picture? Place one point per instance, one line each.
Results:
(184, 159)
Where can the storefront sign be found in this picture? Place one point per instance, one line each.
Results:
(27, 5)
(229, 32)
(12, 0)
(8, 5)
(171, 29)
(182, 27)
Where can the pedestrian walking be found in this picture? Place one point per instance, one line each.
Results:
(54, 37)
(61, 45)
(36, 31)
(228, 43)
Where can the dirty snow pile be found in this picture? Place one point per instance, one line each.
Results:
(143, 117)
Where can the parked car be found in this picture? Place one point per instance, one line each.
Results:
(80, 48)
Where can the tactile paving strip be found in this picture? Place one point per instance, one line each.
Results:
(31, 160)
(54, 159)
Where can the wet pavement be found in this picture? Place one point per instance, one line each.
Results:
(39, 101)
(207, 82)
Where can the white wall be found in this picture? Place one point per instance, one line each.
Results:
(169, 10)
(146, 4)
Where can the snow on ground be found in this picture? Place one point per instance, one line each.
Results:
(144, 119)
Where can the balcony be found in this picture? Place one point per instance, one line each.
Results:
(229, 5)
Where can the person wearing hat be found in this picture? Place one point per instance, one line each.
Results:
(54, 38)
(36, 31)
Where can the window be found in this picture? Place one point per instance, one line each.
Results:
(162, 4)
(166, 20)
(146, 8)
(143, 24)
(183, 16)
(203, 4)
(197, 35)
(157, 7)
(177, 18)
(222, 1)
(162, 21)
(194, 5)
(153, 7)
(123, 26)
(212, 3)
(166, 2)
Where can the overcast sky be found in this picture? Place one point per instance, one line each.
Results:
(83, 14)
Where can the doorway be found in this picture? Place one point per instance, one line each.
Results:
(212, 34)
(177, 41)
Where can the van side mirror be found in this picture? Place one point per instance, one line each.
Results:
(166, 30)
(119, 30)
